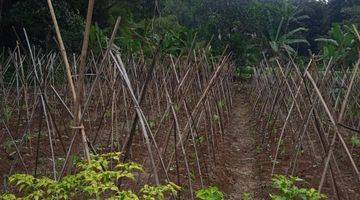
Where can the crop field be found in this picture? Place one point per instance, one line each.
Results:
(200, 100)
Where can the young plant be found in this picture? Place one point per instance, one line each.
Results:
(200, 139)
(244, 73)
(286, 189)
(210, 193)
(7, 113)
(221, 103)
(95, 180)
(246, 196)
(158, 192)
(355, 141)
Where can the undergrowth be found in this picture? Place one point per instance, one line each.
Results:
(96, 179)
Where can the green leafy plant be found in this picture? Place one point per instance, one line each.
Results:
(258, 149)
(75, 160)
(144, 37)
(280, 42)
(97, 39)
(8, 197)
(221, 103)
(158, 192)
(96, 179)
(244, 73)
(9, 145)
(210, 193)
(200, 139)
(340, 45)
(287, 190)
(216, 117)
(246, 196)
(7, 113)
(152, 123)
(355, 141)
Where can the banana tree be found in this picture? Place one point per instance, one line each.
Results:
(340, 45)
(282, 42)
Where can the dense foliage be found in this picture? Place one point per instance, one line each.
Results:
(248, 28)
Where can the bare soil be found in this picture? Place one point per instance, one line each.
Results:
(240, 161)
(244, 162)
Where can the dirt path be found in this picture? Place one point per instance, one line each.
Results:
(240, 153)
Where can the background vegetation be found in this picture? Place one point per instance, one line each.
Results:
(247, 27)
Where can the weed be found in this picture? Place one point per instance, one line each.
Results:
(192, 175)
(200, 139)
(152, 124)
(246, 196)
(210, 193)
(245, 73)
(221, 103)
(258, 149)
(75, 160)
(107, 114)
(216, 117)
(7, 113)
(177, 108)
(9, 145)
(355, 141)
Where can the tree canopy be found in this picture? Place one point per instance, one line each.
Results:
(247, 27)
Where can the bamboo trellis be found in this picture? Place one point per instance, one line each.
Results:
(182, 110)
(309, 115)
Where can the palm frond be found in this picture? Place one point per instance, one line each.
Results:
(326, 40)
(299, 18)
(296, 41)
(289, 49)
(279, 29)
(293, 32)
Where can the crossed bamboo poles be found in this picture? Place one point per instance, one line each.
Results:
(299, 101)
(190, 94)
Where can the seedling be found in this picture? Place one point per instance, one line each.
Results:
(107, 114)
(75, 160)
(9, 145)
(192, 175)
(355, 141)
(285, 188)
(258, 149)
(210, 193)
(246, 196)
(221, 104)
(216, 117)
(152, 124)
(200, 139)
(7, 113)
(95, 180)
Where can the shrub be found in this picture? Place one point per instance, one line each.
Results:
(244, 73)
(95, 180)
(210, 193)
(286, 190)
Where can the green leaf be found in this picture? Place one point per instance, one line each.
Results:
(325, 40)
(293, 32)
